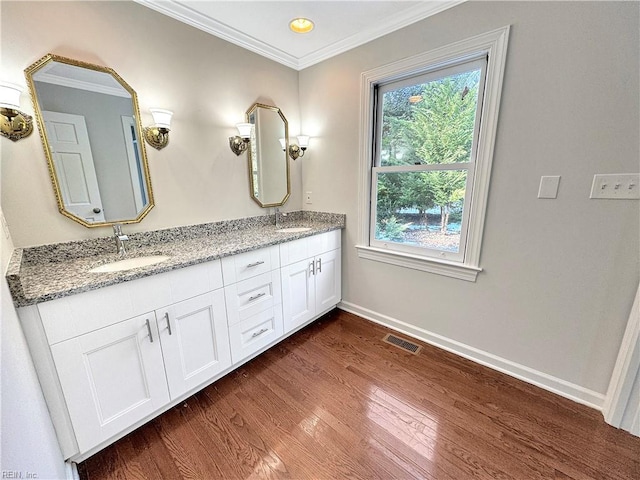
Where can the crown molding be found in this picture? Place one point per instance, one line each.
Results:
(209, 25)
(176, 10)
(400, 20)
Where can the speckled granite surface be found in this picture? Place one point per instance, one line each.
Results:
(47, 272)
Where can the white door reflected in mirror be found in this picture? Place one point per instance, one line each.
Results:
(72, 157)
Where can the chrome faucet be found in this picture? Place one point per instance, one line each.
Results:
(278, 217)
(120, 239)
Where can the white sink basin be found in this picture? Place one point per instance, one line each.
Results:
(293, 229)
(130, 263)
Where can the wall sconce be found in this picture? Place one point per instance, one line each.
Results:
(13, 123)
(240, 143)
(158, 135)
(298, 150)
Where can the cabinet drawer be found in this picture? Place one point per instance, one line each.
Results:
(245, 299)
(303, 248)
(324, 243)
(249, 264)
(255, 333)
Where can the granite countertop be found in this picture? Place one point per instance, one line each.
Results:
(39, 274)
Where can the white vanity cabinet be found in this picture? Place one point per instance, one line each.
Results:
(117, 375)
(112, 358)
(311, 277)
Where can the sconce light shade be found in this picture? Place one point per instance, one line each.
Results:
(161, 118)
(303, 141)
(158, 135)
(13, 123)
(283, 143)
(296, 151)
(10, 95)
(244, 129)
(240, 143)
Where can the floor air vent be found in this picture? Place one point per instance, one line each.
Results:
(405, 345)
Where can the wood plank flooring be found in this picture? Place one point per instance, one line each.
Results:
(335, 401)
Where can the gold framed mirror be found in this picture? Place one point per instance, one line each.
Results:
(270, 182)
(89, 123)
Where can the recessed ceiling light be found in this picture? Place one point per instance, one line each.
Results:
(301, 25)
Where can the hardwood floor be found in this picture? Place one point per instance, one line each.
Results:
(334, 401)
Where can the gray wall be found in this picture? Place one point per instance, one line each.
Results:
(28, 441)
(207, 82)
(559, 275)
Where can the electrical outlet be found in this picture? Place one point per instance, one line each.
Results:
(620, 186)
(307, 197)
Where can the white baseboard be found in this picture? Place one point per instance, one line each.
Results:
(553, 384)
(619, 402)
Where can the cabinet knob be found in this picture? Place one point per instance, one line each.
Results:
(96, 210)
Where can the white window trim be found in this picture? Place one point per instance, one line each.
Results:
(494, 44)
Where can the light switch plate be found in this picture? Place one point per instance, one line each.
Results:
(620, 186)
(549, 186)
(307, 197)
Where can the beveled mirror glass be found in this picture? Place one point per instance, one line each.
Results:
(89, 123)
(268, 163)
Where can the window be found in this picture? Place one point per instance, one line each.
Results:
(426, 149)
(426, 132)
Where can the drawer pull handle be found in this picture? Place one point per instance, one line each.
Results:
(319, 267)
(166, 315)
(312, 267)
(257, 334)
(255, 297)
(149, 330)
(255, 264)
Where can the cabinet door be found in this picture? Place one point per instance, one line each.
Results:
(111, 378)
(328, 280)
(298, 294)
(195, 341)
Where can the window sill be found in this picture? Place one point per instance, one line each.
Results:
(431, 265)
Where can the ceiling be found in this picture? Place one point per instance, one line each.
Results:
(263, 26)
